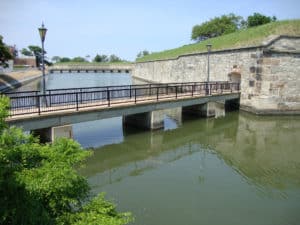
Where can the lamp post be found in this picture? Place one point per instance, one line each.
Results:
(208, 46)
(42, 31)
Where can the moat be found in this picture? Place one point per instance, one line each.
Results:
(237, 169)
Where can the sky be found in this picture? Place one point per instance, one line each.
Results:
(121, 27)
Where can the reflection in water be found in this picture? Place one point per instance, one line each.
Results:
(242, 162)
(237, 169)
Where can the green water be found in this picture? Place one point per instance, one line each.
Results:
(239, 169)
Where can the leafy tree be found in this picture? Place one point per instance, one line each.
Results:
(56, 59)
(34, 51)
(65, 59)
(217, 27)
(4, 53)
(13, 51)
(101, 58)
(114, 58)
(39, 183)
(78, 59)
(258, 19)
(26, 52)
(142, 54)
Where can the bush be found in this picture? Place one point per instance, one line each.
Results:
(39, 183)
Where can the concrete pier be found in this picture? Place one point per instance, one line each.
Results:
(209, 109)
(51, 133)
(153, 120)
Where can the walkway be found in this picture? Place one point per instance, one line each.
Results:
(29, 106)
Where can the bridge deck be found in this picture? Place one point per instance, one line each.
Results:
(100, 105)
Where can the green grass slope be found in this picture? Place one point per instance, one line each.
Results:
(243, 38)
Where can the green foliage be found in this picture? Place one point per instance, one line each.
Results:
(65, 59)
(78, 59)
(101, 58)
(4, 104)
(113, 58)
(56, 59)
(4, 53)
(241, 38)
(142, 54)
(258, 19)
(216, 27)
(39, 183)
(26, 52)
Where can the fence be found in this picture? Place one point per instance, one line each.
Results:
(77, 98)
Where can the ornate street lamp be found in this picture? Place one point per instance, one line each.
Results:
(208, 46)
(43, 31)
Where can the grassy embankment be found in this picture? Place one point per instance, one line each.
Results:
(123, 63)
(243, 38)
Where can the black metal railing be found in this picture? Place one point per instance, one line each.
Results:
(69, 99)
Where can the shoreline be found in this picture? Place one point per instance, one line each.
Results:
(11, 80)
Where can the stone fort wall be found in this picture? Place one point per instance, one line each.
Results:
(269, 73)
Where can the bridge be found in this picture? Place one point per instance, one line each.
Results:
(140, 105)
(94, 68)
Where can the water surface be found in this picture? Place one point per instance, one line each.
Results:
(239, 169)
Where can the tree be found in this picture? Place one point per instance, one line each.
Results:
(101, 58)
(65, 59)
(56, 59)
(258, 19)
(114, 58)
(142, 54)
(5, 54)
(13, 51)
(26, 52)
(34, 51)
(78, 59)
(40, 185)
(216, 27)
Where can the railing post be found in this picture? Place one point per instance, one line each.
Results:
(108, 97)
(77, 106)
(39, 104)
(135, 95)
(176, 91)
(167, 91)
(50, 102)
(80, 95)
(150, 88)
(130, 89)
(157, 92)
(192, 90)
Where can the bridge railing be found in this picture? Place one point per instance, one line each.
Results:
(108, 96)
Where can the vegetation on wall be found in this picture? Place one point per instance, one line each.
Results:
(39, 183)
(216, 27)
(226, 24)
(242, 38)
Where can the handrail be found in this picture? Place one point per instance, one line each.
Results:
(110, 95)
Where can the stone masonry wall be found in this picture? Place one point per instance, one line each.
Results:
(269, 74)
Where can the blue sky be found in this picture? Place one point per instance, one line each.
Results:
(90, 27)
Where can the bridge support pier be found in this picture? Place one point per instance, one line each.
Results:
(153, 120)
(209, 109)
(148, 120)
(51, 133)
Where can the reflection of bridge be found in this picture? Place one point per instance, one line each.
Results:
(102, 68)
(139, 104)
